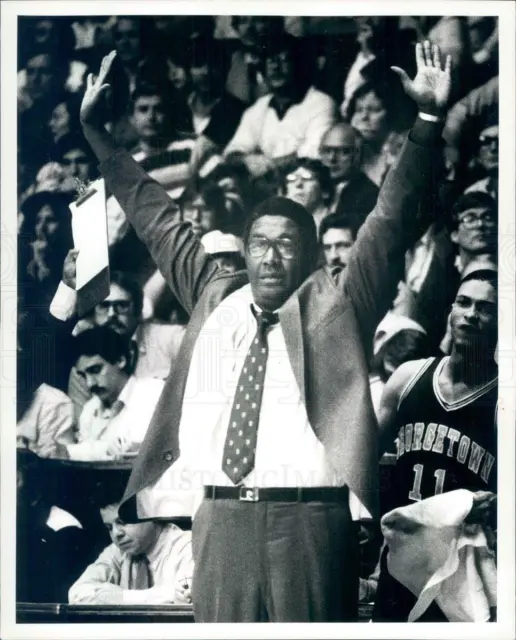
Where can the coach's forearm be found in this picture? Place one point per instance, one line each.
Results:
(100, 141)
(426, 133)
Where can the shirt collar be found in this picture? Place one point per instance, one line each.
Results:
(158, 549)
(280, 110)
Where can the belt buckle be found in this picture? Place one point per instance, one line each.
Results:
(249, 494)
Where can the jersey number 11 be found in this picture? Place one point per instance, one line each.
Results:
(415, 493)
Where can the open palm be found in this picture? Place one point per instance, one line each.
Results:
(92, 101)
(431, 87)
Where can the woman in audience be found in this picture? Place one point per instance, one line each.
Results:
(308, 182)
(379, 114)
(64, 118)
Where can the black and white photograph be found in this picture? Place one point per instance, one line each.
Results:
(258, 324)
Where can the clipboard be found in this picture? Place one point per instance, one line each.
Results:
(89, 230)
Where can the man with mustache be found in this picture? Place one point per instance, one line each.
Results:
(114, 421)
(337, 235)
(153, 346)
(279, 433)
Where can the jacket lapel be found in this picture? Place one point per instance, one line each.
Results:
(290, 319)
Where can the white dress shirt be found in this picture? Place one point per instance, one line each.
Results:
(48, 421)
(102, 430)
(299, 131)
(288, 453)
(170, 563)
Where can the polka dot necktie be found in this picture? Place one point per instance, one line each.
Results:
(240, 446)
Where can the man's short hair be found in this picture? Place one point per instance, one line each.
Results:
(320, 170)
(103, 342)
(147, 89)
(471, 200)
(337, 221)
(129, 284)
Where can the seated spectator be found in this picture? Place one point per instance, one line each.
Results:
(337, 236)
(289, 121)
(204, 207)
(47, 422)
(44, 414)
(214, 113)
(154, 346)
(246, 77)
(487, 159)
(51, 545)
(226, 248)
(44, 77)
(46, 233)
(147, 563)
(355, 194)
(114, 421)
(375, 35)
(474, 227)
(308, 183)
(74, 155)
(377, 112)
(64, 118)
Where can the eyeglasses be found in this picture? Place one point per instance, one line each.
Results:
(341, 151)
(470, 220)
(258, 247)
(304, 177)
(486, 141)
(118, 306)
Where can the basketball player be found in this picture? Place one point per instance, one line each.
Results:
(442, 413)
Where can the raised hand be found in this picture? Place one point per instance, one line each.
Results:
(431, 87)
(92, 105)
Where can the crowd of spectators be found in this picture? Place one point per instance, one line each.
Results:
(222, 112)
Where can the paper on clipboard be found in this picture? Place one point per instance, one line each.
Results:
(89, 229)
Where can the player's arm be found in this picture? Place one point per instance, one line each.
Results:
(377, 261)
(178, 254)
(392, 393)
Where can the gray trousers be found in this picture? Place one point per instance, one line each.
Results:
(275, 561)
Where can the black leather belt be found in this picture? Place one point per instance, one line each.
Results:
(277, 494)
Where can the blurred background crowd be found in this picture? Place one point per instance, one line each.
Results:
(223, 111)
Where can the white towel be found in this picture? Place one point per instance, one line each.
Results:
(438, 557)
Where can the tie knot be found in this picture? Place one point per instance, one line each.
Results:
(266, 319)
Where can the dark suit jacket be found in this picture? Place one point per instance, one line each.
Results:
(328, 322)
(358, 198)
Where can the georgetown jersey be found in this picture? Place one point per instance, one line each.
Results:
(441, 446)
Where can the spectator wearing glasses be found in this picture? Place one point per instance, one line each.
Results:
(487, 159)
(355, 194)
(113, 422)
(308, 183)
(472, 229)
(153, 346)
